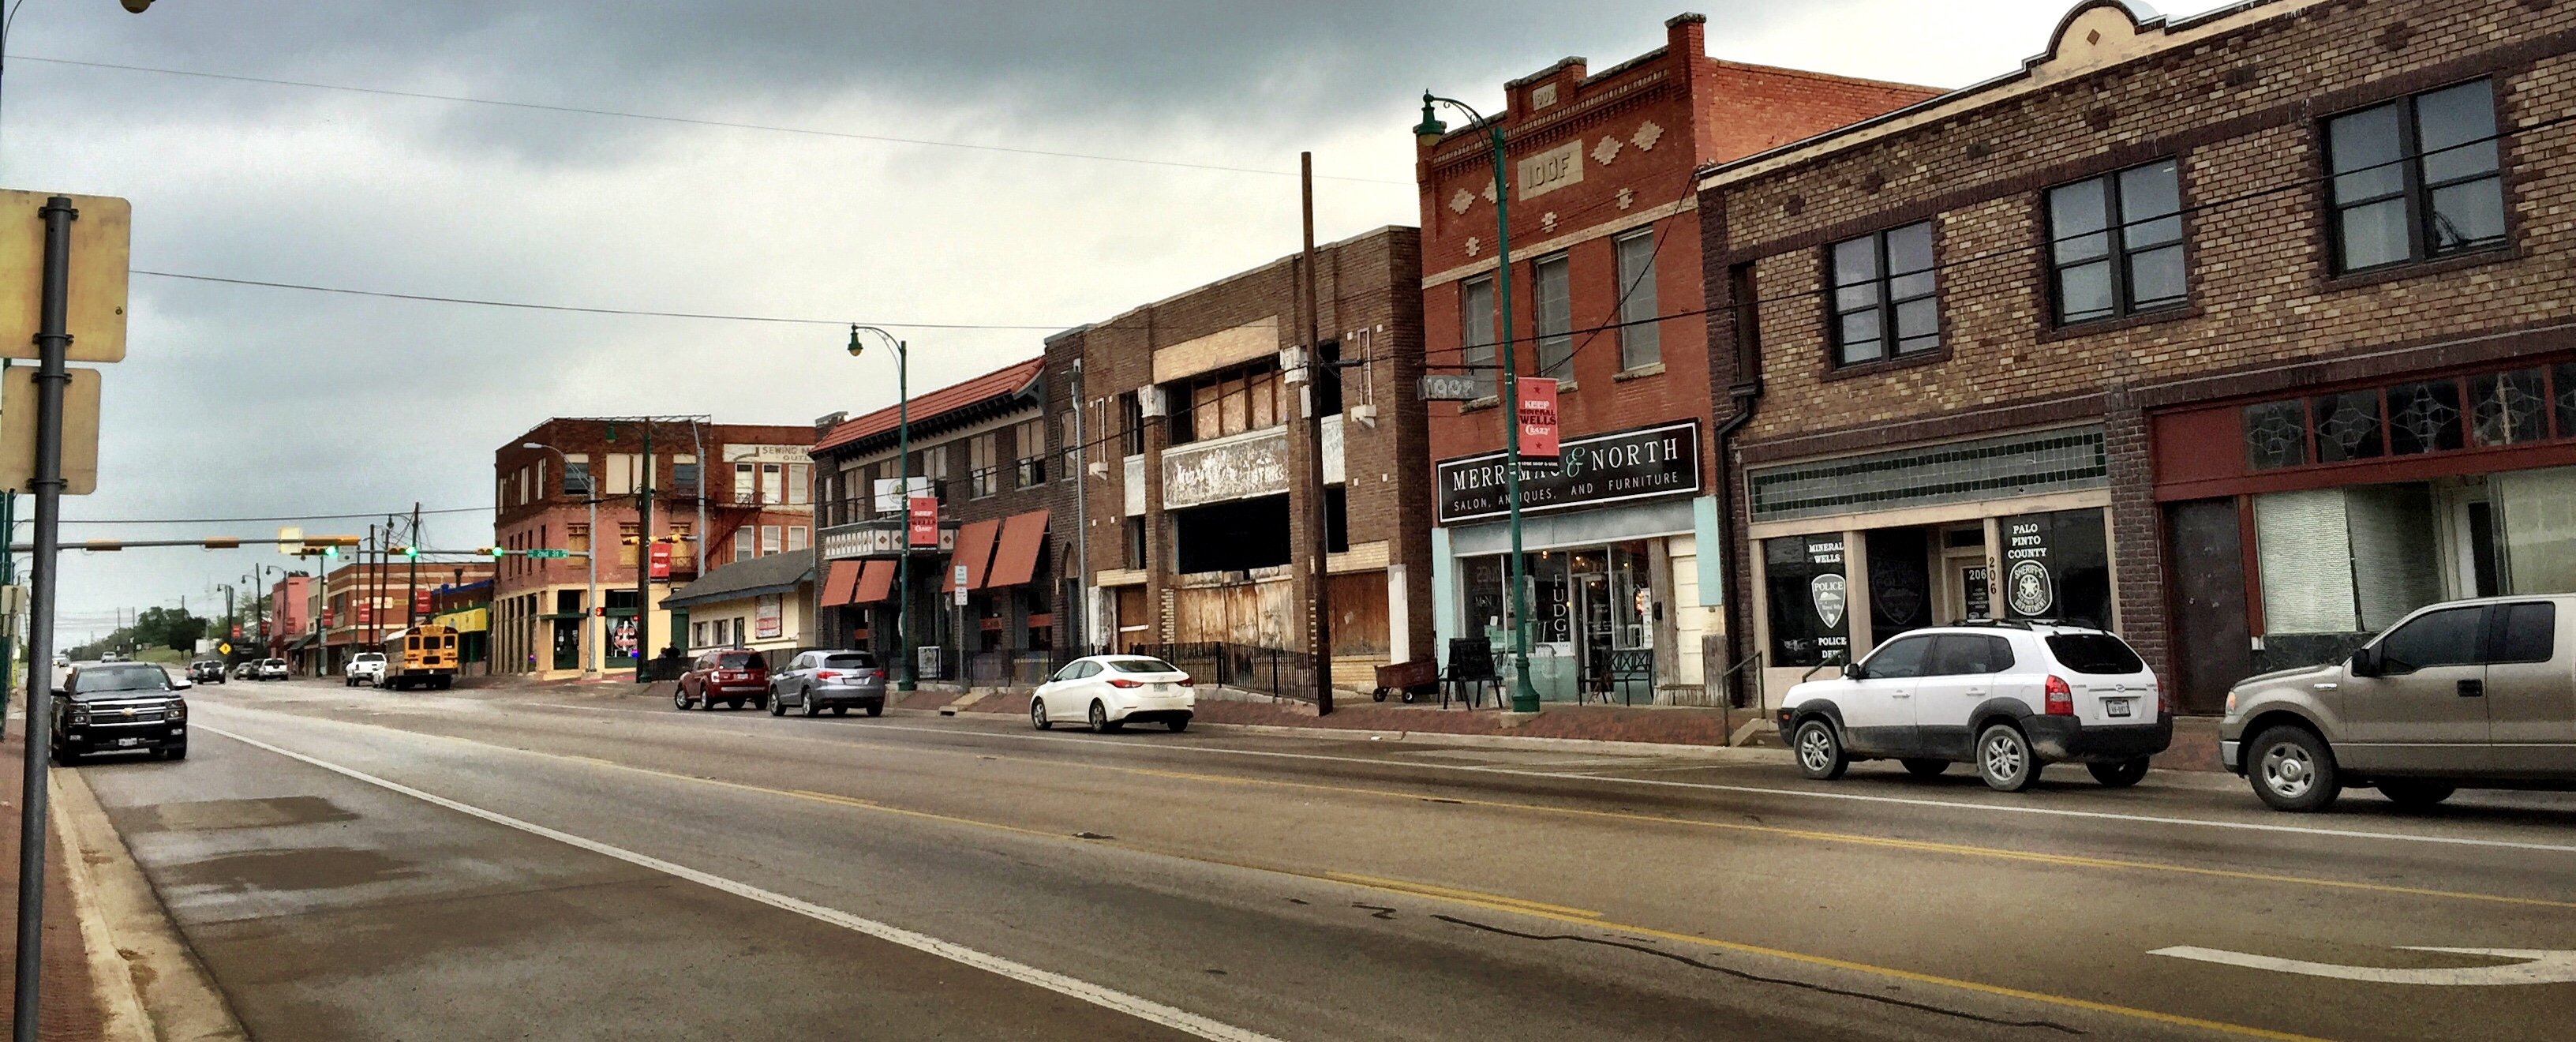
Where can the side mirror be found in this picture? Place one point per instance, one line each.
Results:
(2365, 663)
(1851, 671)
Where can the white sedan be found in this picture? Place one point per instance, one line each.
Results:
(1111, 691)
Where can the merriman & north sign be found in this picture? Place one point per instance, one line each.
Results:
(1662, 460)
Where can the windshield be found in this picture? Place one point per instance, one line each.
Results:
(1142, 665)
(740, 660)
(2097, 653)
(851, 661)
(92, 682)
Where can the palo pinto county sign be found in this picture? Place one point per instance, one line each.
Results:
(1662, 460)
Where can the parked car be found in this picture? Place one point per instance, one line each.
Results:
(366, 667)
(2009, 697)
(206, 671)
(2477, 694)
(732, 676)
(1110, 691)
(815, 680)
(272, 669)
(247, 669)
(119, 707)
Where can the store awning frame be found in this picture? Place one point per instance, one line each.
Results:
(1015, 557)
(876, 581)
(840, 584)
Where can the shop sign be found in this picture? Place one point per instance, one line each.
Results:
(888, 493)
(1538, 415)
(1452, 387)
(881, 538)
(766, 454)
(2056, 566)
(767, 617)
(1589, 471)
(1234, 468)
(921, 521)
(659, 561)
(1828, 592)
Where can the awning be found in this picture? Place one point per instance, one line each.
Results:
(840, 583)
(974, 550)
(875, 581)
(1015, 560)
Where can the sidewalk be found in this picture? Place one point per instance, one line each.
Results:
(72, 1010)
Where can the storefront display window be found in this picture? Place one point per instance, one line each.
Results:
(2539, 529)
(1900, 581)
(2347, 560)
(1808, 594)
(2056, 566)
(1584, 604)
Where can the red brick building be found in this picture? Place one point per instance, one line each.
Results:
(1605, 233)
(757, 500)
(362, 600)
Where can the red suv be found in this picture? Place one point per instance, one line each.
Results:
(732, 676)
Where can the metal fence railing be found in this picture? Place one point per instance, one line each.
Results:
(1276, 672)
(1027, 668)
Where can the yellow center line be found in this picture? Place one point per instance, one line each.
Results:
(1429, 890)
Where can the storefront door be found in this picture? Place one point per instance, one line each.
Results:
(567, 644)
(1592, 606)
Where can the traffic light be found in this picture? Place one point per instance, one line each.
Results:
(492, 552)
(408, 552)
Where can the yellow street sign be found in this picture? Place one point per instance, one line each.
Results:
(102, 242)
(18, 430)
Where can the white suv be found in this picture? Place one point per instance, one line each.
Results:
(364, 667)
(2010, 697)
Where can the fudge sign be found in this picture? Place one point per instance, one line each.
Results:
(1589, 471)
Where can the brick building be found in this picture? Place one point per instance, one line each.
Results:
(2244, 334)
(362, 601)
(757, 501)
(980, 448)
(1198, 508)
(290, 611)
(1606, 244)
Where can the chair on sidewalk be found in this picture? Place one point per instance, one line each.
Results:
(1471, 673)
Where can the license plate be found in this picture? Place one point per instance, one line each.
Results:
(1162, 688)
(129, 741)
(2116, 706)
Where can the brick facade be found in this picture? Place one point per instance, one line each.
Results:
(2237, 100)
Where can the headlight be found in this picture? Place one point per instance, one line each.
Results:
(178, 710)
(2231, 703)
(79, 718)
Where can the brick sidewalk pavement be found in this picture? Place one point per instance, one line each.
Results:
(71, 1010)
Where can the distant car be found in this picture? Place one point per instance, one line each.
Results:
(206, 671)
(247, 669)
(732, 676)
(2009, 697)
(272, 669)
(110, 656)
(2474, 694)
(1111, 691)
(366, 667)
(119, 707)
(815, 680)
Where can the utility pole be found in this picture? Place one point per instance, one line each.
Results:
(411, 591)
(644, 554)
(1081, 630)
(1319, 629)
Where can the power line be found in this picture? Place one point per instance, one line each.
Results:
(696, 121)
(250, 520)
(582, 310)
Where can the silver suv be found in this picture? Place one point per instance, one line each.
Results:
(2009, 697)
(2468, 694)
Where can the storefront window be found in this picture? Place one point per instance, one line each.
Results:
(1584, 603)
(2539, 529)
(2347, 560)
(2508, 408)
(1807, 590)
(1632, 589)
(2056, 566)
(1900, 581)
(2424, 417)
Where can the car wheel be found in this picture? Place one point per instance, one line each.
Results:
(777, 706)
(1100, 719)
(1820, 750)
(2119, 775)
(2409, 792)
(1037, 715)
(679, 698)
(66, 757)
(876, 709)
(1178, 724)
(1925, 767)
(2005, 760)
(2293, 770)
(806, 700)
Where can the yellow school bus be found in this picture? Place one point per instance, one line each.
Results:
(422, 655)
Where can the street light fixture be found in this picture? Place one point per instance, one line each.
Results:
(904, 678)
(590, 600)
(1429, 133)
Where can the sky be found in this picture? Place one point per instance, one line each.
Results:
(251, 402)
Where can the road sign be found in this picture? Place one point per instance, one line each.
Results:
(2534, 966)
(1453, 387)
(18, 430)
(957, 581)
(547, 555)
(226, 647)
(1537, 422)
(101, 246)
(290, 541)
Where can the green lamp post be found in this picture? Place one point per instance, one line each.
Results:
(904, 679)
(1429, 133)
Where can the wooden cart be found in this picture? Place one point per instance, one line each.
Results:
(1410, 679)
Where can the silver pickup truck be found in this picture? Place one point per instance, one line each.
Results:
(2474, 694)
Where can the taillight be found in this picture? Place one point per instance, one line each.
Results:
(825, 674)
(2061, 698)
(1184, 681)
(1123, 682)
(2164, 699)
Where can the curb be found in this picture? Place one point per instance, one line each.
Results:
(148, 978)
(1488, 741)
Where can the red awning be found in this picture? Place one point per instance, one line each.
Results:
(839, 583)
(874, 582)
(974, 550)
(1015, 560)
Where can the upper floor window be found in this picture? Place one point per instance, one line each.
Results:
(2115, 243)
(1884, 297)
(1552, 311)
(746, 488)
(982, 468)
(1213, 405)
(1476, 331)
(2416, 178)
(1073, 447)
(1029, 442)
(1131, 424)
(577, 475)
(1640, 337)
(684, 472)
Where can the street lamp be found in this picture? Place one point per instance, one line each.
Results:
(1429, 133)
(590, 600)
(904, 679)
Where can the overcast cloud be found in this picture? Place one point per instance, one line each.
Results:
(238, 401)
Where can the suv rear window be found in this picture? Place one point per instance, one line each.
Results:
(2095, 653)
(1142, 665)
(855, 661)
(740, 660)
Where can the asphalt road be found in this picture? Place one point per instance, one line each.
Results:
(550, 864)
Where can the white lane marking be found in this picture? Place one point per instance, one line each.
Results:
(2538, 966)
(1758, 790)
(1140, 1008)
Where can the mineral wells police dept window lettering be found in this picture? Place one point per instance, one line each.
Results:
(1605, 468)
(2107, 267)
(2416, 178)
(1885, 302)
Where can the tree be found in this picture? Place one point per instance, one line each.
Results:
(172, 628)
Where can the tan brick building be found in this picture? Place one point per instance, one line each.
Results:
(2244, 334)
(1197, 506)
(1605, 296)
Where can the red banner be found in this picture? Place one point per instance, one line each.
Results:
(366, 614)
(327, 621)
(420, 602)
(661, 561)
(923, 527)
(236, 633)
(1538, 416)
